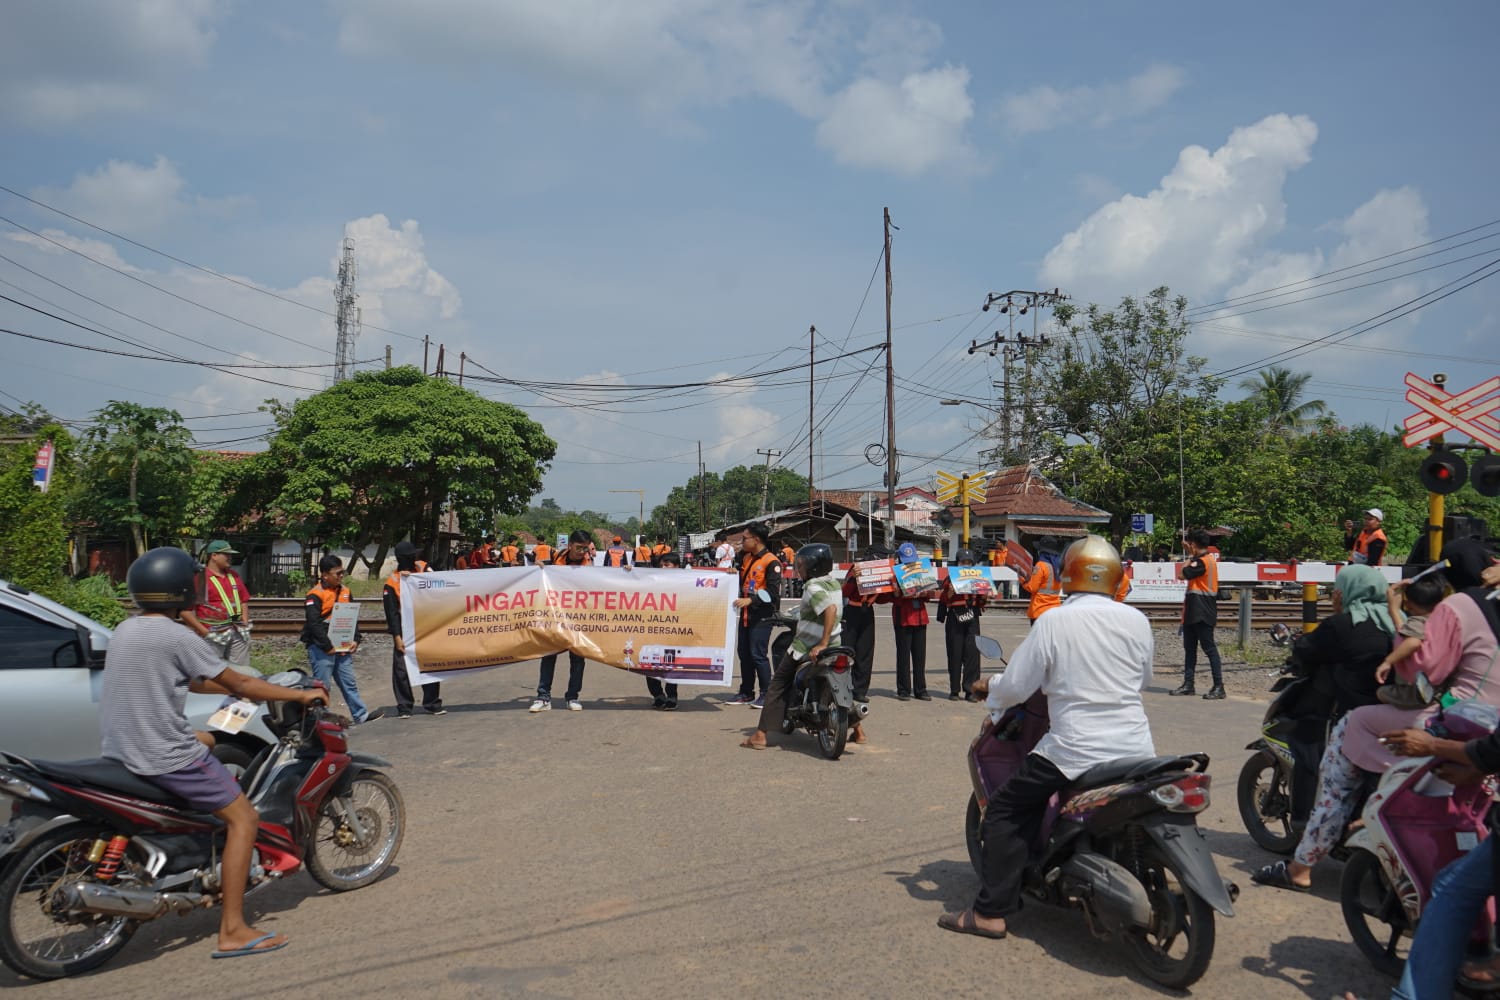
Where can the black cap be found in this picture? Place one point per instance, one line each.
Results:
(405, 550)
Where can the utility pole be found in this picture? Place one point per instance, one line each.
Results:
(346, 319)
(1012, 346)
(387, 357)
(765, 485)
(702, 500)
(439, 371)
(462, 357)
(426, 343)
(890, 401)
(812, 352)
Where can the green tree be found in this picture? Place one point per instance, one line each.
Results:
(384, 452)
(1280, 391)
(137, 462)
(33, 524)
(735, 496)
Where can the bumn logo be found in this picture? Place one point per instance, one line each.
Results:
(426, 583)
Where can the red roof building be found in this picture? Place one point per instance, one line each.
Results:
(1022, 505)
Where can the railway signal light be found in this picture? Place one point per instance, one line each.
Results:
(1486, 475)
(1443, 472)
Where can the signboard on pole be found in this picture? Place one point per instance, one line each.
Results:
(41, 472)
(1142, 524)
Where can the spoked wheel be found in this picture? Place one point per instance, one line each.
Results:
(346, 855)
(1176, 949)
(835, 731)
(37, 938)
(974, 834)
(1266, 804)
(1374, 914)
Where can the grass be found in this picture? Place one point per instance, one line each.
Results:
(365, 588)
(273, 659)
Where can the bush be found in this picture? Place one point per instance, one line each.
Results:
(93, 596)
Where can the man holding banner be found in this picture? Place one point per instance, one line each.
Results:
(576, 554)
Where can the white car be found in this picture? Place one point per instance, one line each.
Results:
(51, 672)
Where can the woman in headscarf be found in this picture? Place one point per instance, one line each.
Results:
(1456, 656)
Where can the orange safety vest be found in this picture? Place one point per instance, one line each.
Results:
(657, 551)
(787, 555)
(543, 552)
(329, 597)
(509, 554)
(422, 567)
(753, 577)
(642, 554)
(614, 556)
(1208, 583)
(394, 582)
(460, 563)
(1362, 543)
(1045, 590)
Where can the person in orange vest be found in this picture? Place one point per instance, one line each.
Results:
(576, 554)
(661, 549)
(1043, 585)
(407, 563)
(960, 615)
(642, 554)
(541, 553)
(510, 553)
(1367, 547)
(664, 696)
(330, 664)
(483, 557)
(760, 571)
(617, 556)
(1200, 613)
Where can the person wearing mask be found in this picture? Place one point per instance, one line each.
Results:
(330, 665)
(1043, 585)
(1200, 614)
(1367, 546)
(960, 615)
(817, 629)
(221, 615)
(432, 701)
(1091, 657)
(909, 623)
(664, 695)
(617, 556)
(760, 572)
(576, 554)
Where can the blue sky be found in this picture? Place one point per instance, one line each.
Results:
(673, 190)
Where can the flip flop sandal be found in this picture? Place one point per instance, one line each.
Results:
(1277, 877)
(964, 922)
(755, 746)
(251, 948)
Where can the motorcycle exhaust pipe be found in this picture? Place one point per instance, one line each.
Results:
(861, 709)
(113, 901)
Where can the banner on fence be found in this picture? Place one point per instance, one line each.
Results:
(675, 624)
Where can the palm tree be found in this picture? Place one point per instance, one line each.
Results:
(1281, 390)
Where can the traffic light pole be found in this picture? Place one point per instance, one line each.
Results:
(1435, 511)
(964, 486)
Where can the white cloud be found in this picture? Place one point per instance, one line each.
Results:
(907, 128)
(1046, 107)
(397, 287)
(67, 60)
(668, 55)
(1199, 230)
(132, 197)
(49, 240)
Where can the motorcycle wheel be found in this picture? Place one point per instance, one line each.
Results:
(1266, 804)
(336, 857)
(1176, 949)
(974, 834)
(1374, 914)
(834, 732)
(33, 941)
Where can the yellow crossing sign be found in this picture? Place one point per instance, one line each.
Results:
(966, 488)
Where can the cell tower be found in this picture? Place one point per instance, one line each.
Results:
(348, 314)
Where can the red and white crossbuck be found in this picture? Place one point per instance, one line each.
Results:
(1470, 412)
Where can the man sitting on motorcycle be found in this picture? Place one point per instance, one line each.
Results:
(152, 663)
(1091, 656)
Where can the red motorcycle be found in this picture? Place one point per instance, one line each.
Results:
(91, 851)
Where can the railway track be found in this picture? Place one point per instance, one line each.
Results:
(283, 615)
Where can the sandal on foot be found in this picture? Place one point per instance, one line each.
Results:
(965, 922)
(253, 948)
(754, 746)
(1278, 877)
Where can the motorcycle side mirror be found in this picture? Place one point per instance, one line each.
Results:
(989, 648)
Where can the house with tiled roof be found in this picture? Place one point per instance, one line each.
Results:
(1022, 505)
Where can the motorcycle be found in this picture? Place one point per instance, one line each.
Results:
(91, 851)
(1122, 844)
(820, 698)
(1414, 824)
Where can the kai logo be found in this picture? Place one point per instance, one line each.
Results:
(708, 581)
(426, 583)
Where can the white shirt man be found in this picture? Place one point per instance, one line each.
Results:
(724, 555)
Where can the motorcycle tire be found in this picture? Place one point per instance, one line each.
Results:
(28, 883)
(1374, 914)
(974, 834)
(1176, 949)
(1266, 804)
(834, 732)
(378, 806)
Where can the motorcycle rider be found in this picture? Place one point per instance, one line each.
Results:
(1091, 657)
(152, 663)
(817, 629)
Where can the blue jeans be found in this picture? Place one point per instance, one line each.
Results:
(339, 667)
(1458, 897)
(755, 657)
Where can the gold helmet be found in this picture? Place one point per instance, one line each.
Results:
(1091, 566)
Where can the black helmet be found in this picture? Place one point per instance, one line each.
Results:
(162, 580)
(814, 560)
(963, 555)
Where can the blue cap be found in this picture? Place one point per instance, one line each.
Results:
(907, 552)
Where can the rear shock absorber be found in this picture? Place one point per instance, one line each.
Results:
(114, 853)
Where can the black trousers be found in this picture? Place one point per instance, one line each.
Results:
(401, 685)
(658, 690)
(859, 633)
(1195, 635)
(575, 676)
(963, 655)
(911, 659)
(1012, 821)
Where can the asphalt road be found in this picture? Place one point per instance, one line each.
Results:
(621, 852)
